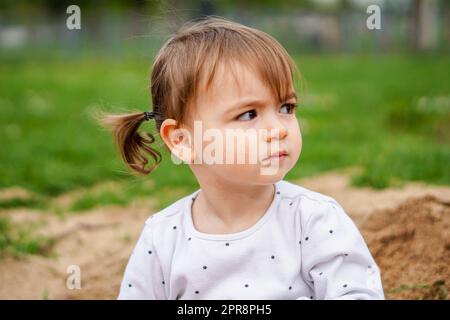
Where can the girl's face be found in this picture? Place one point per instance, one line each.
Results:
(241, 104)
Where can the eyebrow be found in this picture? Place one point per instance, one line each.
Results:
(253, 102)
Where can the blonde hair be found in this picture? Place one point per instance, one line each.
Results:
(189, 56)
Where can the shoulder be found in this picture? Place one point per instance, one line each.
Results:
(309, 203)
(169, 218)
(297, 192)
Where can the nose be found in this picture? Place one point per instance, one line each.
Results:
(276, 130)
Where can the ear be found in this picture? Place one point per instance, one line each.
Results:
(178, 140)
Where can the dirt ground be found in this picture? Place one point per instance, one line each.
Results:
(407, 230)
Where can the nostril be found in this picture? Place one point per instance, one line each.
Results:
(283, 133)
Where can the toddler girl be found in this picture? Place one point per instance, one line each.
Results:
(245, 233)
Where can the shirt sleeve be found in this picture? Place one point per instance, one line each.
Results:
(143, 276)
(336, 262)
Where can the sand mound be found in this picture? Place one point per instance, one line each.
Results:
(411, 244)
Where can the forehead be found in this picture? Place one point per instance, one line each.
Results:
(231, 82)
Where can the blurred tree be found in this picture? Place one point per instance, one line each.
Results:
(424, 19)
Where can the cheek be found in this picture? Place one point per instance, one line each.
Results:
(299, 138)
(296, 140)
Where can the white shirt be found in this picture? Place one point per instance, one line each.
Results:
(304, 247)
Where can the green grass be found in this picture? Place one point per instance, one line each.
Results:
(387, 114)
(19, 241)
(436, 291)
(32, 202)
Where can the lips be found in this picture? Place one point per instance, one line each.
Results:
(278, 154)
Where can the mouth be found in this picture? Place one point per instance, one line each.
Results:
(279, 154)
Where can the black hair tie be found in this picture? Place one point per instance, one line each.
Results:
(149, 115)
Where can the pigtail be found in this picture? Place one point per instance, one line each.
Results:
(133, 146)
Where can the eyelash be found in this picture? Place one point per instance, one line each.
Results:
(291, 105)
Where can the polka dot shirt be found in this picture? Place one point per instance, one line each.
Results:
(304, 246)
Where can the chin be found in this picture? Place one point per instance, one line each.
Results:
(271, 178)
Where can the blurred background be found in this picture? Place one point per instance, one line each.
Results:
(374, 114)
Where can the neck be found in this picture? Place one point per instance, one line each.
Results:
(223, 205)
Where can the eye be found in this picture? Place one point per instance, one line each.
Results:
(290, 107)
(248, 115)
